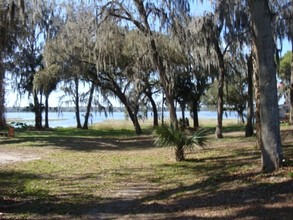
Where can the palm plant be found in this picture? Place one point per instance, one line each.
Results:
(166, 135)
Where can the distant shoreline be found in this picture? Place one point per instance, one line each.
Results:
(63, 109)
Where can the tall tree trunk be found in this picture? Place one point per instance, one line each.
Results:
(163, 100)
(76, 102)
(291, 78)
(291, 81)
(37, 110)
(134, 119)
(132, 113)
(249, 123)
(221, 78)
(269, 111)
(89, 105)
(257, 97)
(2, 95)
(195, 114)
(155, 110)
(158, 61)
(47, 111)
(183, 115)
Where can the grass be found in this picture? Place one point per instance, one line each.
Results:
(109, 172)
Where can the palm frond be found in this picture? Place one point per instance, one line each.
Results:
(167, 136)
(170, 136)
(199, 138)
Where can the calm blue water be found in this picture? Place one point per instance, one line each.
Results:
(67, 119)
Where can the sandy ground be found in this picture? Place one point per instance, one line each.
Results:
(12, 157)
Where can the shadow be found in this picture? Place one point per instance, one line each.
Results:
(248, 200)
(224, 192)
(19, 197)
(87, 144)
(227, 129)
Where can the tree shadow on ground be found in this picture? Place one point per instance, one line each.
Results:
(221, 195)
(254, 201)
(209, 198)
(86, 144)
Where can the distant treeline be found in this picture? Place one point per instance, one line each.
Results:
(58, 109)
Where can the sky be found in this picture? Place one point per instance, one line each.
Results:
(13, 100)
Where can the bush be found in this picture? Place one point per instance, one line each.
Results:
(166, 136)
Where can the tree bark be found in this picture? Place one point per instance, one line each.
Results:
(38, 111)
(134, 119)
(271, 149)
(155, 110)
(46, 111)
(291, 81)
(291, 77)
(221, 78)
(257, 97)
(183, 115)
(76, 102)
(2, 95)
(179, 153)
(88, 108)
(195, 114)
(249, 123)
(132, 113)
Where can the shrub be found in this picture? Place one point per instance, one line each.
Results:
(166, 135)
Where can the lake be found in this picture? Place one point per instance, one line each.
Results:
(67, 119)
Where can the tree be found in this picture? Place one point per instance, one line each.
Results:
(46, 81)
(284, 68)
(250, 109)
(283, 28)
(40, 25)
(103, 46)
(12, 15)
(284, 71)
(141, 14)
(166, 136)
(269, 112)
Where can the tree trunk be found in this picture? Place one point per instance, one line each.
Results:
(134, 119)
(2, 95)
(158, 61)
(88, 108)
(221, 78)
(46, 111)
(183, 115)
(37, 110)
(77, 112)
(132, 114)
(155, 110)
(195, 114)
(291, 78)
(257, 98)
(179, 153)
(249, 123)
(291, 81)
(269, 111)
(163, 100)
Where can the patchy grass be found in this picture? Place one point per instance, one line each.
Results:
(107, 173)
